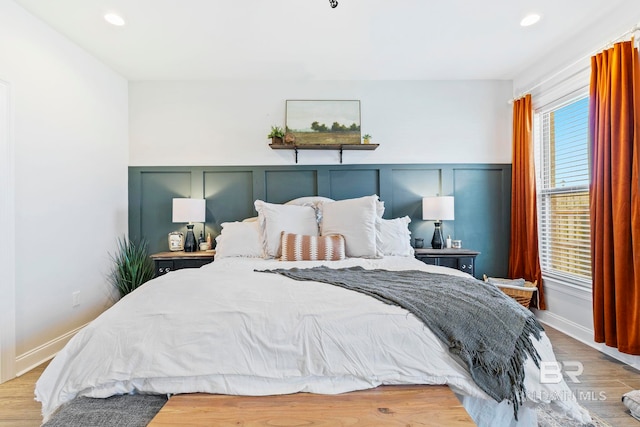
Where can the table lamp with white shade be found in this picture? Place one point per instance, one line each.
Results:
(189, 211)
(437, 209)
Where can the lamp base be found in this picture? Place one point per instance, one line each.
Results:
(190, 244)
(436, 241)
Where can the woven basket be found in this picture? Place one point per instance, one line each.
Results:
(521, 294)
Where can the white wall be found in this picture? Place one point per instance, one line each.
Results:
(569, 308)
(7, 230)
(226, 123)
(567, 57)
(70, 124)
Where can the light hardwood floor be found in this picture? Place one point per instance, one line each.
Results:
(17, 405)
(603, 381)
(601, 386)
(397, 405)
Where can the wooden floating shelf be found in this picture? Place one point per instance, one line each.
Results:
(339, 147)
(324, 146)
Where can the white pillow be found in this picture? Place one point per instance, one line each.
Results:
(393, 236)
(355, 219)
(313, 201)
(239, 239)
(274, 219)
(309, 201)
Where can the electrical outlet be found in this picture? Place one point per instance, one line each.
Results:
(75, 298)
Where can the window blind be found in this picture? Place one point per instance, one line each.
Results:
(563, 191)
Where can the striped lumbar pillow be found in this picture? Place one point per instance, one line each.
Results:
(299, 247)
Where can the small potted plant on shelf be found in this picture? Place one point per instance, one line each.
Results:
(366, 138)
(276, 135)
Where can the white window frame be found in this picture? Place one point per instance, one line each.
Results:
(560, 100)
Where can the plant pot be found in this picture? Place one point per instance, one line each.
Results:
(366, 141)
(276, 140)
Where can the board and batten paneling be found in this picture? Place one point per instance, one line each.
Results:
(482, 198)
(483, 215)
(235, 188)
(284, 185)
(150, 212)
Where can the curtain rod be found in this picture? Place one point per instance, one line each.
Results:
(546, 80)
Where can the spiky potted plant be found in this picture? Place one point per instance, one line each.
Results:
(366, 138)
(276, 135)
(132, 265)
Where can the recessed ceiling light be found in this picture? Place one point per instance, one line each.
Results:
(114, 19)
(530, 19)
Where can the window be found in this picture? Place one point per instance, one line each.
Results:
(563, 191)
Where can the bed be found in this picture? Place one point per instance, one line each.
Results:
(238, 327)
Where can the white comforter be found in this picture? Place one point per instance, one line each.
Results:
(226, 329)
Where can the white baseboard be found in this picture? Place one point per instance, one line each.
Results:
(29, 360)
(566, 326)
(584, 335)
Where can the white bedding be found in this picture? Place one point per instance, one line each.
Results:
(226, 329)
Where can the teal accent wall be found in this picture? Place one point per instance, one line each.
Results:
(482, 198)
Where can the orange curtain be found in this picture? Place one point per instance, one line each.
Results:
(523, 247)
(614, 126)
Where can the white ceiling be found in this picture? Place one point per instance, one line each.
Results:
(309, 40)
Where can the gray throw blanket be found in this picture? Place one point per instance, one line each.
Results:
(489, 331)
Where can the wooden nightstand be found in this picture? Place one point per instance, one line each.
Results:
(460, 259)
(169, 261)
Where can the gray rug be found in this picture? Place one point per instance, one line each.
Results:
(129, 410)
(549, 418)
(138, 411)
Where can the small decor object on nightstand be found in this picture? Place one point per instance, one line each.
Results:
(419, 243)
(176, 241)
(456, 244)
(437, 209)
(190, 211)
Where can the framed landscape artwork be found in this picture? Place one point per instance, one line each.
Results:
(323, 122)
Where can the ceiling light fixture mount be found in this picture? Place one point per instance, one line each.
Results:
(333, 4)
(114, 19)
(530, 19)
